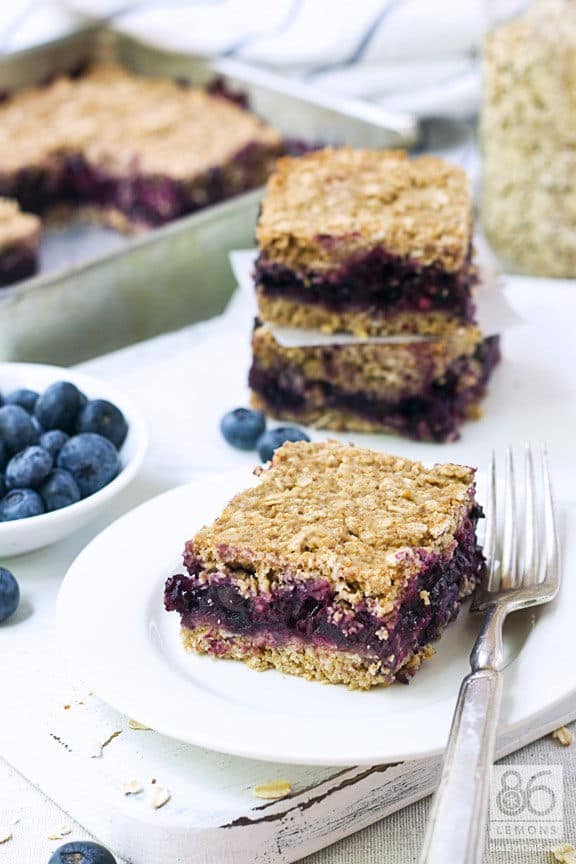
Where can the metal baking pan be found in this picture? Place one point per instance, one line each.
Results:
(98, 290)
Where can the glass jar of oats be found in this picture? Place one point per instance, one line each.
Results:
(528, 139)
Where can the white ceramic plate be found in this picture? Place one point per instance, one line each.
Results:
(121, 643)
(24, 535)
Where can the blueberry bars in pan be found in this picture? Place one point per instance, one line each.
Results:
(146, 149)
(342, 565)
(366, 242)
(422, 390)
(19, 240)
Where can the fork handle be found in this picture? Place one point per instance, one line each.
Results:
(459, 810)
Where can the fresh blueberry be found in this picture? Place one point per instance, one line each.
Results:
(58, 406)
(17, 430)
(53, 441)
(9, 594)
(243, 427)
(103, 418)
(27, 469)
(274, 438)
(59, 490)
(20, 504)
(92, 460)
(25, 398)
(82, 852)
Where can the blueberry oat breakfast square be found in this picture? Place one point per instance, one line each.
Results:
(145, 149)
(342, 565)
(19, 239)
(423, 390)
(366, 242)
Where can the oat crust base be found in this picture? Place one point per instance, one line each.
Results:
(306, 661)
(285, 312)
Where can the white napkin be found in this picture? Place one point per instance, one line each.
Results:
(408, 55)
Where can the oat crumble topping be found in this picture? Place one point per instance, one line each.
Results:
(323, 207)
(347, 514)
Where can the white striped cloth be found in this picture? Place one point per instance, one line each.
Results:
(411, 55)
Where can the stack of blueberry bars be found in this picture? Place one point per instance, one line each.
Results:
(341, 565)
(377, 246)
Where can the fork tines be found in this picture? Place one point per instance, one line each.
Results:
(521, 540)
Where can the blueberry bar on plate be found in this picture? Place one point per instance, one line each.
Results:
(145, 149)
(19, 239)
(366, 242)
(341, 565)
(422, 390)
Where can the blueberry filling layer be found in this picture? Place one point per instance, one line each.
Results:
(435, 414)
(148, 199)
(17, 262)
(377, 282)
(310, 611)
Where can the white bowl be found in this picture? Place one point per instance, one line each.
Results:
(24, 535)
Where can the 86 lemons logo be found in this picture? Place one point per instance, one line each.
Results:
(526, 802)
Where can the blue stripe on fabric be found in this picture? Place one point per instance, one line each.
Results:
(282, 27)
(364, 41)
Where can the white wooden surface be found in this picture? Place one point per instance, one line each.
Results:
(184, 383)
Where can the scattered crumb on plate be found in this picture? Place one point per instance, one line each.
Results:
(63, 831)
(563, 735)
(159, 796)
(274, 790)
(564, 854)
(133, 787)
(134, 724)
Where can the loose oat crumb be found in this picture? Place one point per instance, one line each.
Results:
(133, 787)
(273, 791)
(564, 854)
(5, 836)
(563, 735)
(63, 831)
(159, 796)
(66, 707)
(134, 724)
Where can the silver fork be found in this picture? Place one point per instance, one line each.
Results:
(523, 570)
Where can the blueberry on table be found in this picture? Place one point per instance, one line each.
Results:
(53, 441)
(274, 438)
(25, 398)
(59, 490)
(59, 406)
(17, 431)
(92, 460)
(243, 427)
(9, 594)
(82, 852)
(20, 504)
(104, 418)
(27, 469)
